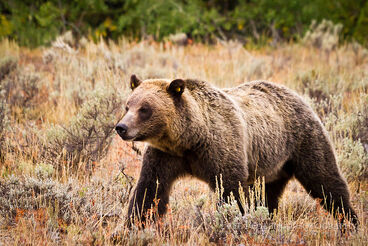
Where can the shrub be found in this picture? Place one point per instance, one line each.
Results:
(88, 135)
(312, 84)
(324, 36)
(227, 220)
(7, 65)
(228, 223)
(361, 132)
(349, 132)
(22, 89)
(360, 53)
(142, 237)
(4, 123)
(146, 62)
(256, 68)
(69, 202)
(353, 159)
(44, 170)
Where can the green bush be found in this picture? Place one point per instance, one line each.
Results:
(39, 22)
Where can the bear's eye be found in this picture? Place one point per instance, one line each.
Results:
(126, 108)
(143, 110)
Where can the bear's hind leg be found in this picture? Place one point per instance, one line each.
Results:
(275, 188)
(274, 191)
(324, 181)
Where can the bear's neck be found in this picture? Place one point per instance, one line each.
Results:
(167, 145)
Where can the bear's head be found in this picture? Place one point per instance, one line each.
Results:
(151, 109)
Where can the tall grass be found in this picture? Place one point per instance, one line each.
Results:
(66, 176)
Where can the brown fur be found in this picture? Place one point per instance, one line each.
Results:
(256, 129)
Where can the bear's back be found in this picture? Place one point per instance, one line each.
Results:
(272, 101)
(277, 121)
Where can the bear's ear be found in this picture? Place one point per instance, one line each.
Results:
(176, 87)
(134, 82)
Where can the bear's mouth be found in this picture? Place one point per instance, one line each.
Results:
(139, 138)
(126, 137)
(132, 138)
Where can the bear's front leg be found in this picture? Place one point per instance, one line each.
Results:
(158, 173)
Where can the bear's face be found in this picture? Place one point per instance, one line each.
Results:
(149, 109)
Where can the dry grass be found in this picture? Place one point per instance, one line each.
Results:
(79, 193)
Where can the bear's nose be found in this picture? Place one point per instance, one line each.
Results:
(121, 129)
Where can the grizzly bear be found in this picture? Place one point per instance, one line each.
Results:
(257, 129)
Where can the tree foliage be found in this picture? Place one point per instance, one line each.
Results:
(39, 22)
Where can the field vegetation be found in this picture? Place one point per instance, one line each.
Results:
(65, 176)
